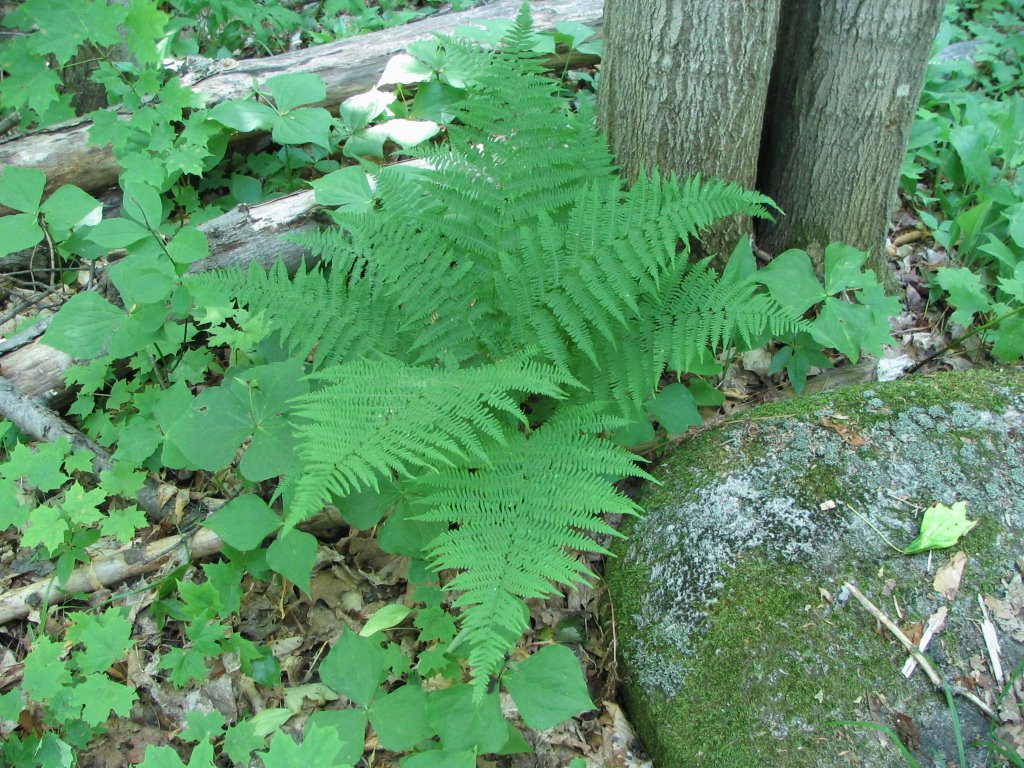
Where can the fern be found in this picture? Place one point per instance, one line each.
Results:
(373, 419)
(538, 496)
(515, 269)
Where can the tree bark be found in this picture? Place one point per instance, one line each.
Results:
(347, 66)
(683, 88)
(845, 87)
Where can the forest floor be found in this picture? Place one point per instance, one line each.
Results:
(354, 578)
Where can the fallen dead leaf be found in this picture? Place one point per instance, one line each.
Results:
(849, 434)
(949, 575)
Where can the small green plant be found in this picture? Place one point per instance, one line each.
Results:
(486, 333)
(962, 171)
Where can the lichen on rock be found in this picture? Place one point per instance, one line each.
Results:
(737, 648)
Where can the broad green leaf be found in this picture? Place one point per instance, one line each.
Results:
(465, 724)
(349, 724)
(364, 509)
(18, 232)
(244, 116)
(99, 697)
(117, 233)
(22, 188)
(971, 146)
(189, 245)
(388, 616)
(293, 555)
(704, 394)
(436, 101)
(1015, 217)
(791, 281)
(147, 24)
(348, 188)
(142, 204)
(844, 268)
(440, 758)
(410, 133)
(966, 293)
(355, 667)
(941, 527)
(548, 688)
(356, 112)
(741, 264)
(244, 522)
(403, 69)
(368, 142)
(309, 125)
(69, 207)
(84, 326)
(210, 434)
(400, 718)
(635, 433)
(675, 409)
(143, 278)
(290, 91)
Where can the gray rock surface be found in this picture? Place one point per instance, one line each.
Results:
(738, 644)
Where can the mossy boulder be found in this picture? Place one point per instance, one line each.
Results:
(739, 645)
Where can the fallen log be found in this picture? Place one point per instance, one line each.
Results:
(347, 66)
(245, 234)
(129, 562)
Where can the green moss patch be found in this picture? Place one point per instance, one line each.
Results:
(737, 642)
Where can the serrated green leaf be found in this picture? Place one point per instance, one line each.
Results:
(290, 91)
(349, 724)
(966, 293)
(548, 688)
(1008, 339)
(293, 555)
(105, 638)
(941, 527)
(244, 522)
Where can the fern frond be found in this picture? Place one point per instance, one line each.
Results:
(704, 312)
(370, 419)
(517, 520)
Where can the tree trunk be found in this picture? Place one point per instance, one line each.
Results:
(845, 87)
(683, 88)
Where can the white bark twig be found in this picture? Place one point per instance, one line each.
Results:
(926, 665)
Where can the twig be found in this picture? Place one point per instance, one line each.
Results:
(9, 122)
(926, 665)
(24, 338)
(935, 624)
(38, 421)
(988, 632)
(132, 561)
(958, 342)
